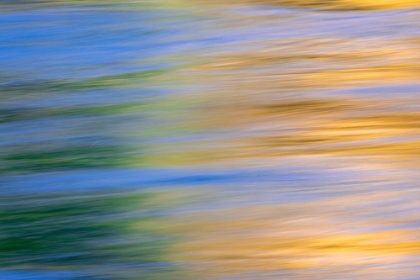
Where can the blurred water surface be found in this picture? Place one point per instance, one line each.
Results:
(178, 140)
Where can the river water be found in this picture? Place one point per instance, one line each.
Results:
(145, 140)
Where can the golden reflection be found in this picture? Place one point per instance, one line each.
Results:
(294, 97)
(351, 231)
(311, 4)
(299, 128)
(314, 63)
(347, 4)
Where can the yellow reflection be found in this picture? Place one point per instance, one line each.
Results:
(321, 234)
(279, 99)
(347, 4)
(315, 4)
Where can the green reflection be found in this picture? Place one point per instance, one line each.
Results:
(9, 115)
(84, 231)
(108, 81)
(64, 157)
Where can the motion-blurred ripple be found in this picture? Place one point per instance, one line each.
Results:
(207, 140)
